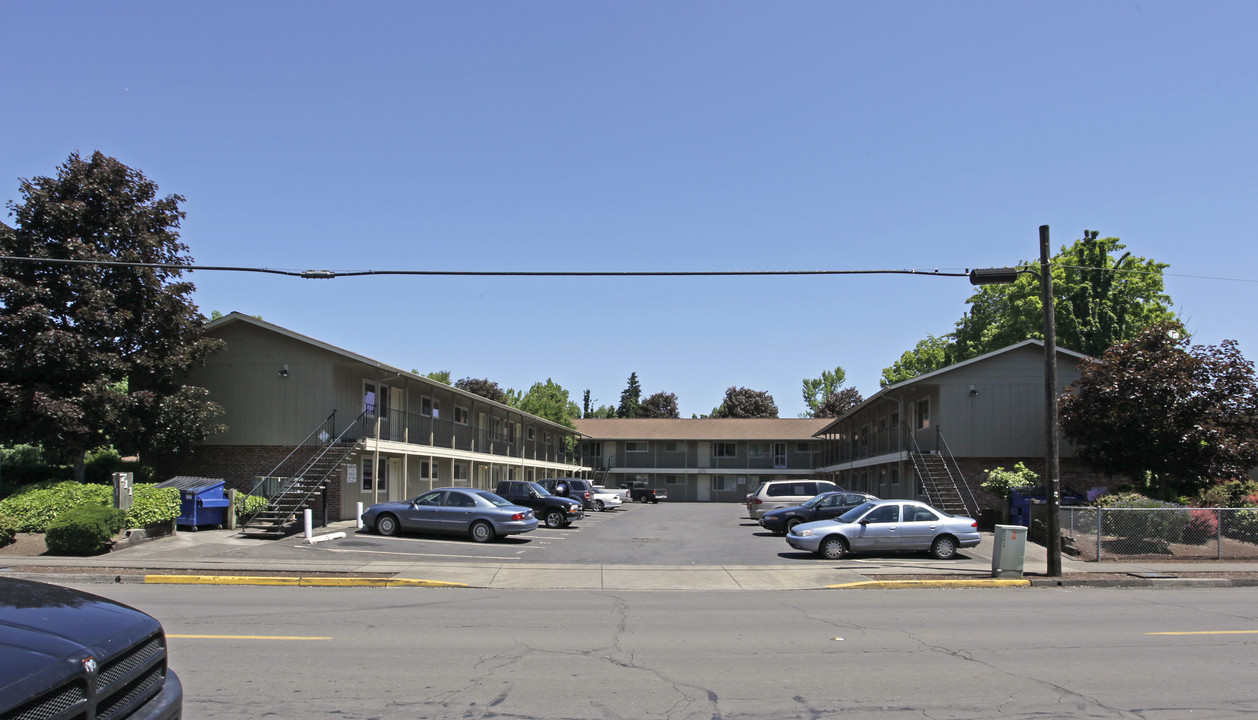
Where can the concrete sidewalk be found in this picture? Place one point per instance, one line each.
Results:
(225, 557)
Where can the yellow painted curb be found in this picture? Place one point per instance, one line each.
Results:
(886, 584)
(293, 581)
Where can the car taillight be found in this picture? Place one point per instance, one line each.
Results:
(518, 516)
(757, 501)
(974, 524)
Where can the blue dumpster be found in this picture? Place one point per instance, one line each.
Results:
(1020, 503)
(201, 500)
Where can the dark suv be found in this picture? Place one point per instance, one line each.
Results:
(576, 488)
(821, 507)
(552, 510)
(68, 654)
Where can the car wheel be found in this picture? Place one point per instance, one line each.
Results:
(481, 532)
(386, 525)
(554, 518)
(944, 547)
(599, 504)
(833, 548)
(790, 524)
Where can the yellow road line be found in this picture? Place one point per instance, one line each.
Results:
(247, 637)
(293, 581)
(1208, 632)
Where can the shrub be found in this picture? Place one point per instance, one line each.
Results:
(36, 506)
(8, 531)
(1002, 482)
(85, 530)
(1203, 526)
(1161, 522)
(247, 504)
(151, 505)
(1243, 525)
(1228, 493)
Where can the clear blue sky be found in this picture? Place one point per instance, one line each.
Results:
(655, 136)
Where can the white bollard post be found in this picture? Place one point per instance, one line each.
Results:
(308, 514)
(359, 517)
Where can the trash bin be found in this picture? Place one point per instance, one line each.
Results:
(201, 501)
(1009, 551)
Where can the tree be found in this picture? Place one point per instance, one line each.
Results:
(1099, 300)
(630, 398)
(741, 402)
(929, 355)
(441, 376)
(1155, 409)
(92, 355)
(487, 389)
(659, 405)
(816, 390)
(549, 400)
(837, 403)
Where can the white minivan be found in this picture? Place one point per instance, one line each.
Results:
(774, 494)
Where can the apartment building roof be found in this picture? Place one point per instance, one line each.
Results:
(701, 429)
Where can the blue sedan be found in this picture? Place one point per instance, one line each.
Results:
(887, 526)
(479, 514)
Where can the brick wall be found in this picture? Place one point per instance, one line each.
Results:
(239, 465)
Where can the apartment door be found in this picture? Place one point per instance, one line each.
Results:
(703, 488)
(395, 415)
(779, 454)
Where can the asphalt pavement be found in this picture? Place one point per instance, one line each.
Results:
(333, 556)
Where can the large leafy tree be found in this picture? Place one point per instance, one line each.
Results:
(1156, 410)
(741, 402)
(94, 354)
(839, 402)
(659, 405)
(630, 398)
(484, 387)
(549, 400)
(929, 355)
(816, 390)
(1101, 294)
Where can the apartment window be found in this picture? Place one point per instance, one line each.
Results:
(436, 409)
(726, 450)
(510, 431)
(530, 434)
(594, 449)
(425, 406)
(722, 482)
(758, 450)
(461, 415)
(672, 447)
(635, 447)
(674, 480)
(923, 413)
(460, 474)
(498, 435)
(381, 478)
(805, 447)
(546, 439)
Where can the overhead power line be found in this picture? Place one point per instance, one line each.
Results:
(328, 274)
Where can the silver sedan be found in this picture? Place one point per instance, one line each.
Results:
(479, 514)
(887, 526)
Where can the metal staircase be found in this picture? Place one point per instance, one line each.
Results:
(944, 484)
(305, 472)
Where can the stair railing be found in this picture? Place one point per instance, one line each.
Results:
(963, 487)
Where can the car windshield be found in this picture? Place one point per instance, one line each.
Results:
(492, 499)
(815, 501)
(538, 489)
(855, 513)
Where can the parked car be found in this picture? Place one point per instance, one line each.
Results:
(821, 507)
(774, 494)
(71, 654)
(479, 514)
(887, 526)
(605, 499)
(642, 491)
(552, 510)
(575, 488)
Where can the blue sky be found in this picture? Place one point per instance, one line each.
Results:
(638, 136)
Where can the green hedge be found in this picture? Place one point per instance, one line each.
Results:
(34, 508)
(8, 531)
(85, 530)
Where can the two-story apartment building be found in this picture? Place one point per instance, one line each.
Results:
(702, 460)
(399, 433)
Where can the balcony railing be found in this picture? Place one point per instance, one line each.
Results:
(428, 431)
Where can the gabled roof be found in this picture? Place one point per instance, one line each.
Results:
(701, 428)
(236, 317)
(934, 374)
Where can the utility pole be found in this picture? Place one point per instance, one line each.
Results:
(1051, 457)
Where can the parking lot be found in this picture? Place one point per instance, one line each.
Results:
(673, 534)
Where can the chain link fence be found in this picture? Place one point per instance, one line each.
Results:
(1092, 533)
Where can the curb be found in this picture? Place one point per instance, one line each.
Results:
(890, 584)
(293, 581)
